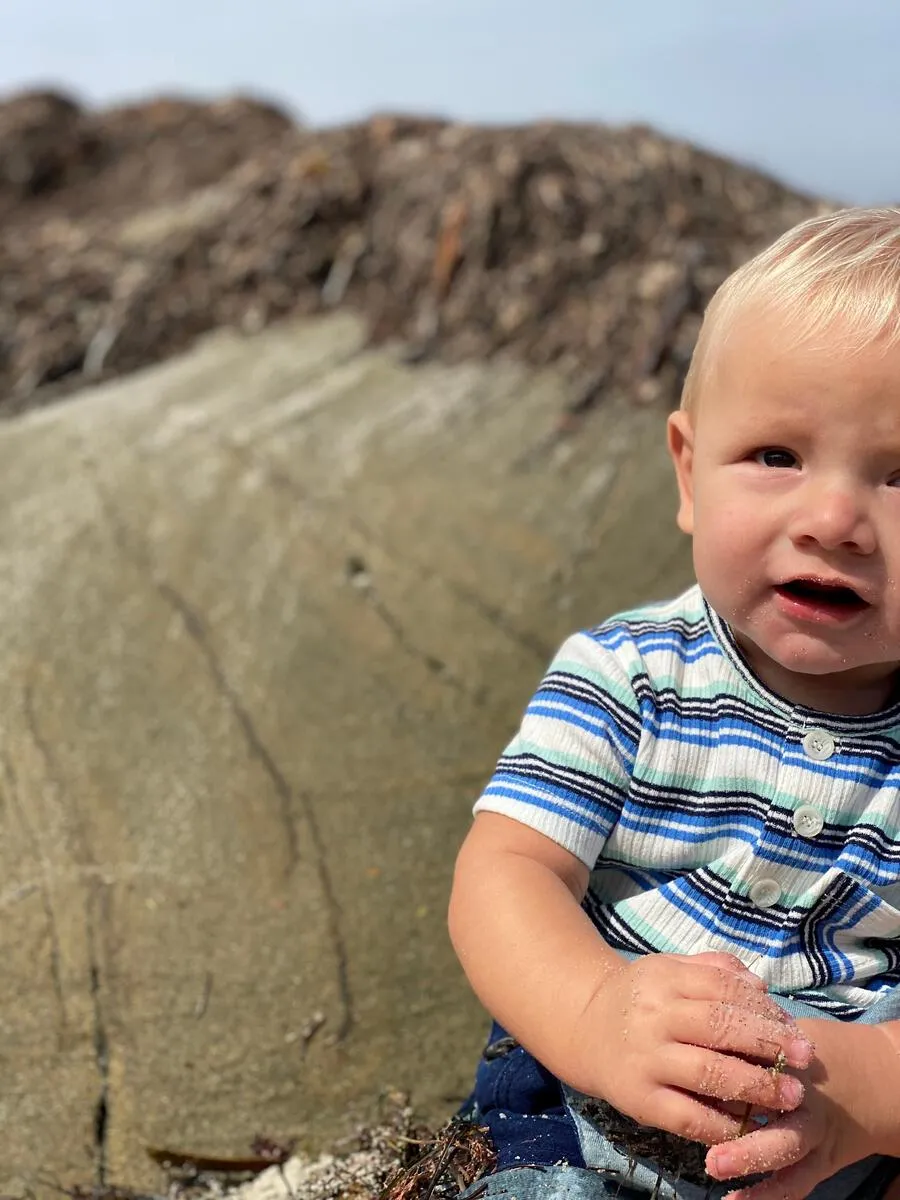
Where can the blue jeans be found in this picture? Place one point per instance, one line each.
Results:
(547, 1149)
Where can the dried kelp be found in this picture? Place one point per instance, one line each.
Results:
(127, 233)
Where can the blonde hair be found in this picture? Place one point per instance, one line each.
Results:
(843, 265)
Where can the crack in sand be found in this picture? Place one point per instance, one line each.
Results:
(43, 884)
(101, 1115)
(196, 629)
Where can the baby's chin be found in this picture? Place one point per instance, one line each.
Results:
(774, 649)
(812, 661)
(807, 655)
(830, 682)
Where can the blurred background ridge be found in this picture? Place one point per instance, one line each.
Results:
(125, 233)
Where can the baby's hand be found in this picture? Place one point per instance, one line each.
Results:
(667, 1036)
(841, 1120)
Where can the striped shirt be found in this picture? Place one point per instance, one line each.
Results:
(713, 813)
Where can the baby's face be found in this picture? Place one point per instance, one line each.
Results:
(789, 475)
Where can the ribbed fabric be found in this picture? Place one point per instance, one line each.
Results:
(653, 754)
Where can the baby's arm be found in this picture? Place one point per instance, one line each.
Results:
(655, 1037)
(851, 1109)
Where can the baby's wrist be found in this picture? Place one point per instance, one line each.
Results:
(848, 1058)
(883, 1063)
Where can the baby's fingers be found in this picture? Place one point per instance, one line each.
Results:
(725, 962)
(688, 1116)
(726, 1077)
(734, 989)
(753, 1033)
(788, 1147)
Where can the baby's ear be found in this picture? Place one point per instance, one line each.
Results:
(681, 448)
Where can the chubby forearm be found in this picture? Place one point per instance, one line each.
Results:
(530, 952)
(887, 1066)
(655, 1036)
(858, 1068)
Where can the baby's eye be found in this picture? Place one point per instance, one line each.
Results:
(772, 456)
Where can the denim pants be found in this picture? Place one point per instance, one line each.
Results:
(547, 1149)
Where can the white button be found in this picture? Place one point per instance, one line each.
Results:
(818, 744)
(765, 892)
(808, 821)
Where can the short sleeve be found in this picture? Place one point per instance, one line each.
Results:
(568, 770)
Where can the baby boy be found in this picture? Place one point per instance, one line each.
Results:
(681, 890)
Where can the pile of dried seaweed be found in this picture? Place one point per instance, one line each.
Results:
(399, 1159)
(127, 233)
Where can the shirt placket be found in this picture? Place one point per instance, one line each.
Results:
(768, 882)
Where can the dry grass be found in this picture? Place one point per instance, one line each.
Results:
(399, 1159)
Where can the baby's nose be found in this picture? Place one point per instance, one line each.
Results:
(837, 517)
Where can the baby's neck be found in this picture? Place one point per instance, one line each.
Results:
(839, 699)
(856, 693)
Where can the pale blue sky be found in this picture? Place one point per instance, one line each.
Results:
(807, 88)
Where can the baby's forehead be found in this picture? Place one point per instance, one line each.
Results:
(766, 333)
(764, 363)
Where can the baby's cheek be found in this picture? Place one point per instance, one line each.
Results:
(727, 574)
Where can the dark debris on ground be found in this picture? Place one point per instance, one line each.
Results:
(397, 1159)
(127, 233)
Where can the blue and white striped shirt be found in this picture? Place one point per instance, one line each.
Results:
(713, 813)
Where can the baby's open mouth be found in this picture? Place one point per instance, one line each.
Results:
(818, 594)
